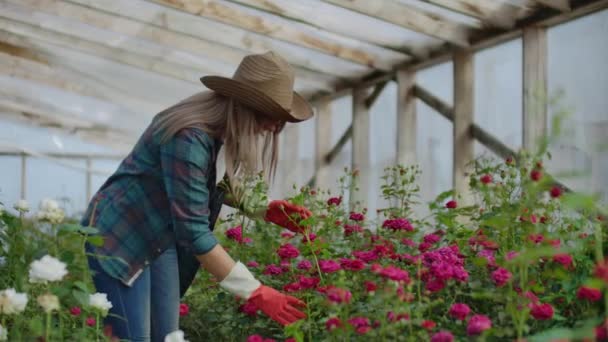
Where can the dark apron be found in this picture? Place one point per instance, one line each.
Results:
(187, 262)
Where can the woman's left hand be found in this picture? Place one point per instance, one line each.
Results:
(287, 215)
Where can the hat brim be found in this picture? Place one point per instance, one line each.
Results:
(250, 96)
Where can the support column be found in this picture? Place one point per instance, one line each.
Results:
(322, 143)
(534, 87)
(406, 118)
(89, 183)
(23, 176)
(463, 119)
(360, 151)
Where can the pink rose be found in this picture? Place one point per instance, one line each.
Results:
(501, 276)
(541, 312)
(333, 323)
(460, 311)
(589, 294)
(478, 324)
(443, 336)
(288, 251)
(184, 309)
(304, 265)
(329, 266)
(357, 217)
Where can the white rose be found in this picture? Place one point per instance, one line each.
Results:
(48, 302)
(12, 302)
(48, 204)
(47, 269)
(100, 301)
(22, 206)
(3, 333)
(176, 336)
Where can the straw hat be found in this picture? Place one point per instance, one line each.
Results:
(264, 82)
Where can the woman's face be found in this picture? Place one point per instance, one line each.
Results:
(267, 125)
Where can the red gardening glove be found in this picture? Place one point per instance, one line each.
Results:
(287, 215)
(276, 305)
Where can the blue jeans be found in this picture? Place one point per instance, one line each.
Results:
(149, 309)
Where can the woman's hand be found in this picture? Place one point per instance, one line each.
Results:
(276, 305)
(280, 307)
(287, 215)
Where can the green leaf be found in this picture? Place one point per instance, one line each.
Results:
(68, 257)
(96, 240)
(89, 230)
(69, 227)
(81, 296)
(36, 326)
(82, 286)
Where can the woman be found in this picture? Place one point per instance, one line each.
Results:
(157, 212)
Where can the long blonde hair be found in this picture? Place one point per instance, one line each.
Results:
(226, 119)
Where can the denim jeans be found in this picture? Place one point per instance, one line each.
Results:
(149, 309)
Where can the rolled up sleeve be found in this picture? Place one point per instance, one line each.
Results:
(185, 160)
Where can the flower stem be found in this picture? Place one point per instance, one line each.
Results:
(48, 326)
(97, 326)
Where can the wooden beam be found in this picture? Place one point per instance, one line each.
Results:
(534, 87)
(169, 51)
(361, 152)
(369, 101)
(434, 102)
(333, 153)
(348, 49)
(55, 73)
(406, 118)
(309, 64)
(322, 143)
(23, 176)
(333, 19)
(560, 5)
(491, 142)
(579, 9)
(491, 13)
(463, 119)
(411, 18)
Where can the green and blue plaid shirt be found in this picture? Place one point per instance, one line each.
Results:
(162, 195)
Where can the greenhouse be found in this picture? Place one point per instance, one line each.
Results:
(338, 170)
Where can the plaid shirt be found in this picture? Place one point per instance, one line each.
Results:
(162, 195)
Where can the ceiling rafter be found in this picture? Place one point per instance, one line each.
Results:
(202, 55)
(279, 28)
(135, 52)
(178, 21)
(560, 5)
(411, 18)
(491, 13)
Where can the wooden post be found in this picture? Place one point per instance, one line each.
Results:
(406, 118)
(23, 175)
(322, 143)
(89, 182)
(360, 151)
(534, 87)
(463, 119)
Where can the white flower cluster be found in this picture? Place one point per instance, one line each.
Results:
(176, 336)
(100, 301)
(22, 206)
(12, 302)
(48, 302)
(50, 211)
(47, 269)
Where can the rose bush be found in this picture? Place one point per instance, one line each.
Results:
(524, 263)
(46, 291)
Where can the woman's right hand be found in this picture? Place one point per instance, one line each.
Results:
(278, 306)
